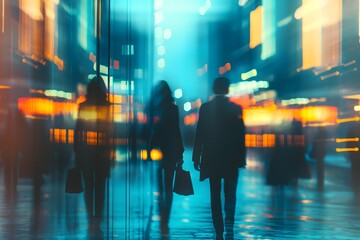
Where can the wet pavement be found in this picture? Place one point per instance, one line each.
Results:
(263, 212)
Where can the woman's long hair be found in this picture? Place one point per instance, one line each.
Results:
(96, 90)
(161, 97)
(162, 94)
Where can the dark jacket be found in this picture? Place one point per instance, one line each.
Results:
(92, 136)
(166, 136)
(220, 139)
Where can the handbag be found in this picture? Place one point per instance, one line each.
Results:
(183, 184)
(74, 182)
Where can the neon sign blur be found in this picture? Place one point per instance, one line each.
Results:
(32, 107)
(269, 29)
(247, 87)
(56, 93)
(321, 32)
(267, 116)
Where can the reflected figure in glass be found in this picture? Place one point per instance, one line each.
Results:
(12, 145)
(39, 153)
(92, 150)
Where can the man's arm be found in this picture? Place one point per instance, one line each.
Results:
(198, 141)
(241, 134)
(242, 160)
(179, 142)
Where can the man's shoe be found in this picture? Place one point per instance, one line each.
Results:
(164, 230)
(94, 229)
(219, 237)
(229, 236)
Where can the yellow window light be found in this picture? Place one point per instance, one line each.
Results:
(256, 27)
(143, 154)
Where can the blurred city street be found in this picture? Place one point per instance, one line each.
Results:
(262, 211)
(115, 90)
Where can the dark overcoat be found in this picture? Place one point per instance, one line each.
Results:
(166, 135)
(92, 136)
(220, 139)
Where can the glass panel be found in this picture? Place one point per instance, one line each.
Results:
(55, 117)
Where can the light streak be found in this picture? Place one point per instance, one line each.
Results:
(341, 140)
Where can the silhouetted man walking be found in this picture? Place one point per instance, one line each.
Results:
(219, 151)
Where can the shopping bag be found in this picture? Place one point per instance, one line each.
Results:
(183, 184)
(74, 182)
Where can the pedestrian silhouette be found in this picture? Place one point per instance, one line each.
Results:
(296, 152)
(288, 163)
(219, 151)
(12, 146)
(92, 150)
(354, 156)
(61, 151)
(280, 169)
(165, 136)
(318, 152)
(39, 155)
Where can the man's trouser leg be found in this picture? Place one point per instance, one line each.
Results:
(230, 186)
(215, 192)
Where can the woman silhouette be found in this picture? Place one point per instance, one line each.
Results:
(165, 136)
(92, 149)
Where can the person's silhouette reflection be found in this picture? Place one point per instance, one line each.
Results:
(39, 150)
(12, 145)
(92, 149)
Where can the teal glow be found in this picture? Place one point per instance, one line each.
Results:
(83, 24)
(269, 29)
(177, 37)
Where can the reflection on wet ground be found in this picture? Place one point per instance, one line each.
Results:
(263, 212)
